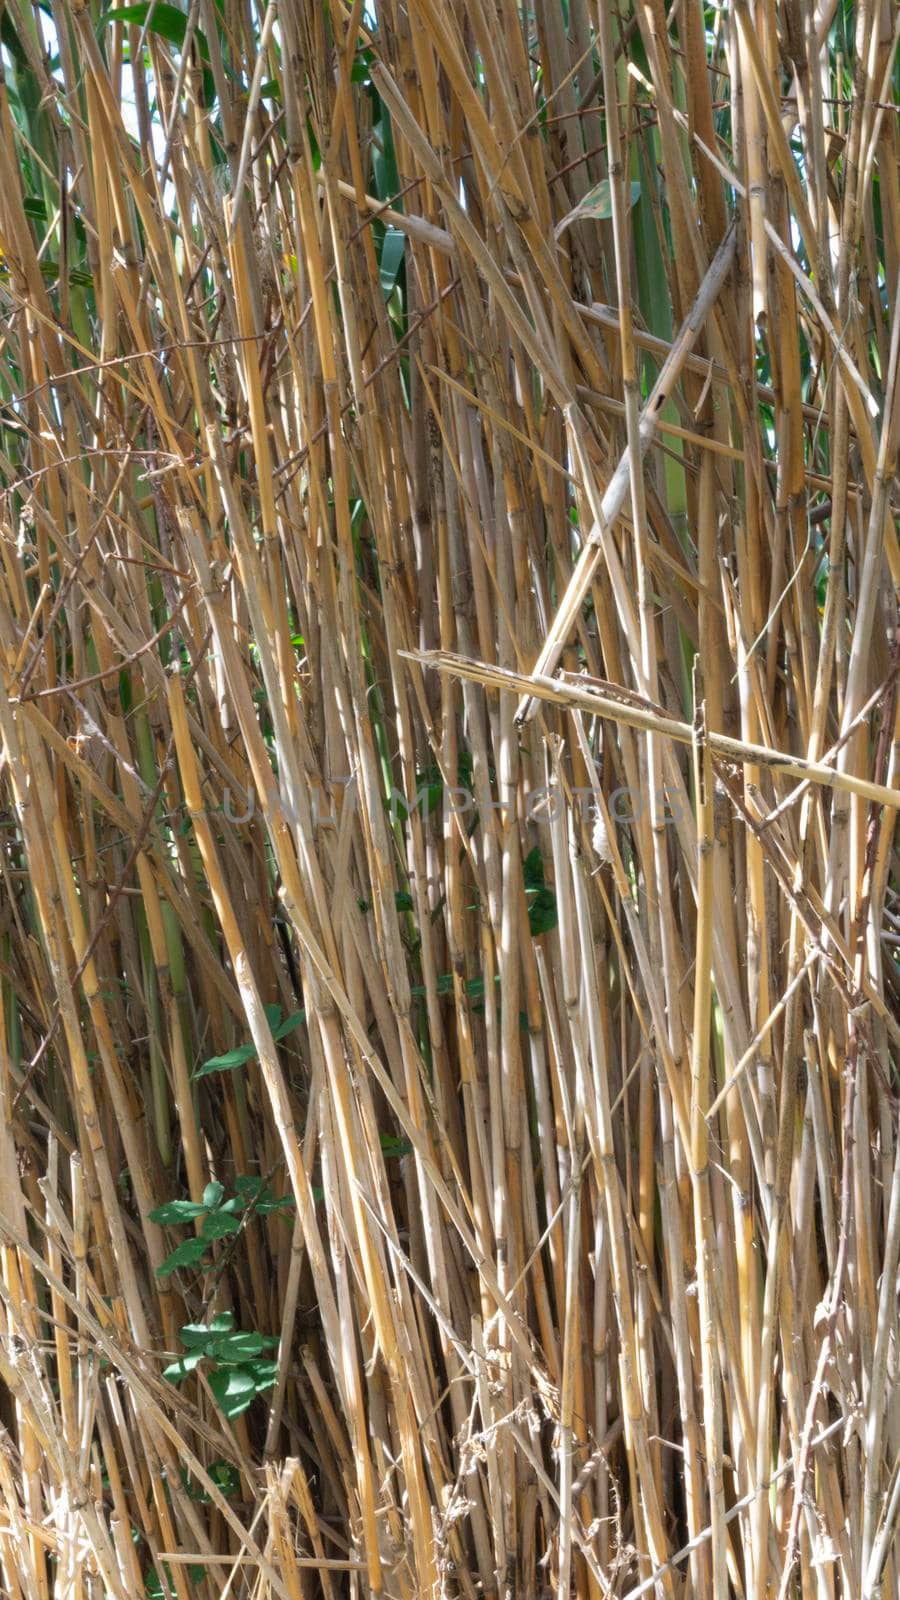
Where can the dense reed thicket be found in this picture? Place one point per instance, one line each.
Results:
(450, 905)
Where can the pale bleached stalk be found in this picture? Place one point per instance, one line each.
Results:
(614, 496)
(740, 751)
(704, 1226)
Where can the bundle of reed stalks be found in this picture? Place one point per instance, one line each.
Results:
(450, 910)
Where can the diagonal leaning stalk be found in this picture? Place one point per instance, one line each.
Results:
(614, 498)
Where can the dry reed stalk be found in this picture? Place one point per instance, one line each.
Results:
(517, 1070)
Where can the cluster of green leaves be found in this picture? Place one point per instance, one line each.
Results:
(242, 1053)
(235, 1364)
(221, 1218)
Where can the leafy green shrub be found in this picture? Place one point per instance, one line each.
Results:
(221, 1218)
(237, 1369)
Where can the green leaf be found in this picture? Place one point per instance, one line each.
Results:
(50, 269)
(190, 1488)
(249, 1185)
(464, 769)
(242, 1346)
(361, 72)
(197, 1335)
(597, 204)
(218, 1223)
(212, 1194)
(403, 901)
(234, 1388)
(184, 1366)
(435, 787)
(384, 161)
(393, 1148)
(153, 1583)
(171, 25)
(10, 38)
(314, 150)
(252, 1191)
(167, 21)
(542, 912)
(391, 258)
(237, 1057)
(187, 1255)
(264, 1373)
(443, 985)
(267, 1204)
(533, 869)
(289, 1024)
(175, 1211)
(225, 1477)
(273, 1014)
